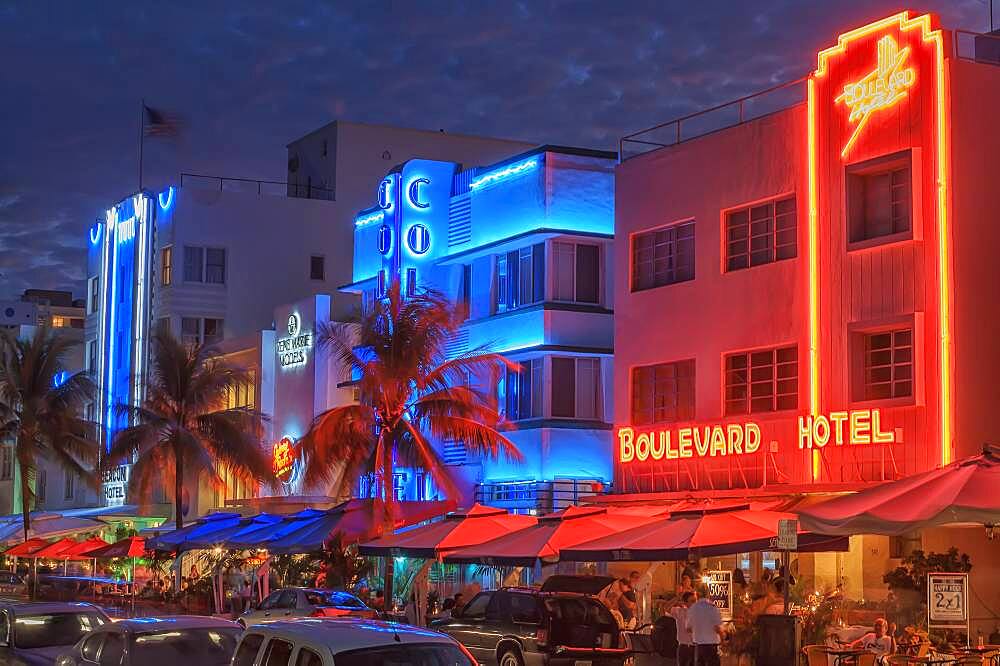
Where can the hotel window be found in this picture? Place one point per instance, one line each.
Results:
(243, 395)
(194, 263)
(41, 480)
(760, 234)
(888, 364)
(69, 484)
(765, 380)
(465, 291)
(92, 356)
(664, 256)
(93, 301)
(520, 277)
(577, 272)
(58, 321)
(212, 331)
(6, 463)
(190, 331)
(663, 393)
(215, 265)
(317, 267)
(166, 266)
(523, 388)
(575, 388)
(879, 200)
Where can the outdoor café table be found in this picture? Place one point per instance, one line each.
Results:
(845, 655)
(934, 659)
(992, 650)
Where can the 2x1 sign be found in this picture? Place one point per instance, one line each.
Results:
(788, 534)
(947, 597)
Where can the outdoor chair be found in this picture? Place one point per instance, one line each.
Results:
(867, 659)
(816, 655)
(894, 659)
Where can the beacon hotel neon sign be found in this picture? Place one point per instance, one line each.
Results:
(857, 427)
(880, 89)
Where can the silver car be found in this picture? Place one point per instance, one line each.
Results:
(34, 634)
(290, 602)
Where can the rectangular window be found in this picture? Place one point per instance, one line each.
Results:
(382, 286)
(878, 198)
(664, 256)
(190, 330)
(663, 393)
(411, 281)
(520, 277)
(6, 463)
(92, 356)
(215, 265)
(166, 266)
(69, 484)
(194, 263)
(761, 234)
(41, 480)
(465, 291)
(577, 272)
(765, 380)
(563, 387)
(317, 268)
(212, 331)
(888, 364)
(523, 391)
(93, 302)
(244, 394)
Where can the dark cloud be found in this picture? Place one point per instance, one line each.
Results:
(250, 76)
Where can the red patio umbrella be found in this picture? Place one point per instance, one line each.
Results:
(459, 529)
(964, 492)
(26, 548)
(697, 534)
(133, 546)
(55, 550)
(552, 533)
(77, 550)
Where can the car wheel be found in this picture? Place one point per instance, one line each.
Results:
(511, 657)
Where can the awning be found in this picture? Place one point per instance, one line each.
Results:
(964, 492)
(51, 526)
(459, 529)
(26, 548)
(56, 549)
(76, 552)
(687, 535)
(545, 540)
(132, 546)
(204, 526)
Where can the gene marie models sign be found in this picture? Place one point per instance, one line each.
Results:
(293, 350)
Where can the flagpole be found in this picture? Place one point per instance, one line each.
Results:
(142, 119)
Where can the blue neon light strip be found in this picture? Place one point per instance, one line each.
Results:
(503, 174)
(95, 233)
(369, 219)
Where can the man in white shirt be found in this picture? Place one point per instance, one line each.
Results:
(685, 644)
(705, 623)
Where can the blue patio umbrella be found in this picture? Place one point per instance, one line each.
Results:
(261, 533)
(250, 528)
(177, 539)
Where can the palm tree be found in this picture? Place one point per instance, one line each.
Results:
(181, 426)
(41, 407)
(409, 390)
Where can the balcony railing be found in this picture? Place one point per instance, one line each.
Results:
(538, 496)
(274, 188)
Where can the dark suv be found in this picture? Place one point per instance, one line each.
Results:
(561, 623)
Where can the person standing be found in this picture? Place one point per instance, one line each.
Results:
(705, 623)
(685, 644)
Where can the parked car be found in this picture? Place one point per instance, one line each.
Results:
(185, 640)
(346, 642)
(291, 602)
(11, 584)
(33, 634)
(561, 623)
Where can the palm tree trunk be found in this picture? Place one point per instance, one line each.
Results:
(178, 487)
(388, 497)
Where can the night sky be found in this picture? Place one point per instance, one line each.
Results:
(249, 77)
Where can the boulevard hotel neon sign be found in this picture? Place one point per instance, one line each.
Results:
(844, 428)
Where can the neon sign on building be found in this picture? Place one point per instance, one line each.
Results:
(880, 89)
(689, 442)
(292, 350)
(856, 427)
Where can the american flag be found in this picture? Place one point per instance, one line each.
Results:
(158, 123)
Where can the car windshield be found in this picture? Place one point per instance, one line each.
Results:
(409, 654)
(342, 599)
(52, 629)
(191, 647)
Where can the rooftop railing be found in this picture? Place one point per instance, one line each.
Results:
(261, 187)
(728, 114)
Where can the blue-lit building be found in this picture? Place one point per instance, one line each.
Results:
(525, 243)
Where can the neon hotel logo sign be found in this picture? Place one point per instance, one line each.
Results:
(852, 428)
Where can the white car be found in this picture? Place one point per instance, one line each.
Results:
(346, 642)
